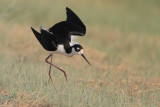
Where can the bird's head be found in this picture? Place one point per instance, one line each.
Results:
(78, 49)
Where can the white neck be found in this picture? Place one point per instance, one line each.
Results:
(61, 50)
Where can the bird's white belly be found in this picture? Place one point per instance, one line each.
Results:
(60, 50)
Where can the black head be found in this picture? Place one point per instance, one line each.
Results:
(79, 50)
(77, 47)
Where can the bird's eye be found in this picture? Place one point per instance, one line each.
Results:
(78, 49)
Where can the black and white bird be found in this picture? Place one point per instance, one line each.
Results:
(59, 39)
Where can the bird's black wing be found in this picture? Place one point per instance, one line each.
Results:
(46, 39)
(72, 26)
(64, 30)
(37, 35)
(73, 18)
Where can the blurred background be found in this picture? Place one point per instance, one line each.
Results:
(122, 44)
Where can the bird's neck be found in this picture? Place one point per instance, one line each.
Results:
(69, 49)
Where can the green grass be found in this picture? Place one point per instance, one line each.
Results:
(122, 44)
(31, 78)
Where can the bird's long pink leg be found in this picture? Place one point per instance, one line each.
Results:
(51, 76)
(56, 66)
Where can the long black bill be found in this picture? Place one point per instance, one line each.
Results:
(85, 58)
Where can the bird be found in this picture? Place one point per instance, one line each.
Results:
(60, 39)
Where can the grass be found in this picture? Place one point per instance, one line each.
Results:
(122, 44)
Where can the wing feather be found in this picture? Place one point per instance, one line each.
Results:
(46, 39)
(73, 18)
(72, 26)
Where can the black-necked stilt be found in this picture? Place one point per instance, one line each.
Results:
(59, 39)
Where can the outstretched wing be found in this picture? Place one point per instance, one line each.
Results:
(72, 26)
(73, 18)
(46, 39)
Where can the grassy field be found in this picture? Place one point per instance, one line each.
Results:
(122, 43)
